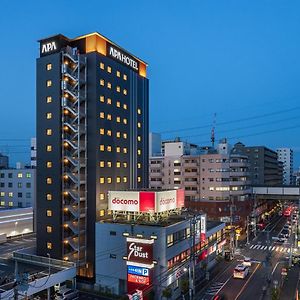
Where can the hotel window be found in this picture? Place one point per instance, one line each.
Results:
(125, 92)
(139, 179)
(118, 119)
(10, 203)
(102, 148)
(118, 134)
(118, 179)
(102, 131)
(2, 194)
(49, 116)
(49, 83)
(109, 85)
(139, 165)
(125, 121)
(49, 148)
(101, 164)
(49, 180)
(102, 115)
(124, 164)
(118, 164)
(139, 111)
(125, 150)
(108, 132)
(49, 164)
(139, 138)
(118, 89)
(108, 148)
(118, 104)
(49, 229)
(124, 76)
(102, 180)
(108, 117)
(49, 67)
(139, 152)
(28, 175)
(108, 69)
(2, 203)
(20, 175)
(102, 66)
(49, 132)
(125, 179)
(118, 149)
(49, 99)
(101, 212)
(49, 245)
(118, 74)
(109, 180)
(49, 197)
(102, 82)
(49, 213)
(108, 101)
(139, 125)
(109, 164)
(125, 106)
(125, 135)
(101, 196)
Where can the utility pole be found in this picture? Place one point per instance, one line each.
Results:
(247, 230)
(231, 225)
(193, 222)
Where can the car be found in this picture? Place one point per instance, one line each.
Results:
(247, 262)
(240, 271)
(287, 226)
(67, 294)
(285, 233)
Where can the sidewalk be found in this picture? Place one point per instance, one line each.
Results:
(288, 290)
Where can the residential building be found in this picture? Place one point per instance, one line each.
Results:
(17, 187)
(33, 153)
(286, 156)
(154, 144)
(92, 133)
(4, 161)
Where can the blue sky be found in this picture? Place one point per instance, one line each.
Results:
(238, 59)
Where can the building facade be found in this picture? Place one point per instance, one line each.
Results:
(92, 136)
(17, 187)
(286, 156)
(33, 153)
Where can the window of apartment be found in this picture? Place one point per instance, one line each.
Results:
(101, 164)
(118, 164)
(125, 106)
(2, 203)
(118, 74)
(49, 213)
(49, 67)
(102, 115)
(108, 69)
(49, 180)
(49, 229)
(139, 138)
(118, 119)
(49, 197)
(118, 134)
(118, 179)
(109, 85)
(108, 117)
(118, 89)
(124, 164)
(101, 196)
(2, 194)
(139, 165)
(49, 245)
(20, 175)
(124, 150)
(109, 180)
(108, 101)
(102, 99)
(125, 135)
(49, 164)
(108, 132)
(118, 104)
(19, 185)
(125, 121)
(2, 175)
(49, 83)
(102, 131)
(49, 116)
(139, 111)
(108, 148)
(49, 131)
(10, 175)
(118, 149)
(102, 213)
(139, 151)
(102, 82)
(139, 179)
(102, 180)
(109, 164)
(102, 66)
(139, 125)
(124, 76)
(125, 92)
(49, 148)
(2, 184)
(10, 203)
(102, 148)
(211, 188)
(10, 184)
(124, 179)
(49, 99)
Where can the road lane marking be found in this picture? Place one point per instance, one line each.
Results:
(244, 286)
(273, 248)
(251, 246)
(265, 247)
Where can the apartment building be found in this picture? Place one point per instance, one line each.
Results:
(286, 156)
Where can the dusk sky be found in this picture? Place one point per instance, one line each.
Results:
(237, 59)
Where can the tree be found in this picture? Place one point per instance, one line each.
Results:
(167, 293)
(184, 285)
(275, 294)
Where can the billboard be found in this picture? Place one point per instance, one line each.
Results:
(145, 202)
(202, 228)
(139, 251)
(138, 279)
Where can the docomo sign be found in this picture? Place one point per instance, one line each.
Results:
(140, 251)
(149, 202)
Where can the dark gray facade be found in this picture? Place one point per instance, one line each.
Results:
(111, 129)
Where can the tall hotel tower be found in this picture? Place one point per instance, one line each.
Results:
(92, 137)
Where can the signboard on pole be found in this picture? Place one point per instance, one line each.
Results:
(140, 251)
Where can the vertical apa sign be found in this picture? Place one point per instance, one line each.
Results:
(202, 228)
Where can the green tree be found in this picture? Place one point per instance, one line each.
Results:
(184, 285)
(167, 293)
(275, 294)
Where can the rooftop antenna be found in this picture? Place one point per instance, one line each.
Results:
(213, 131)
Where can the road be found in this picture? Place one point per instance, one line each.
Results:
(267, 255)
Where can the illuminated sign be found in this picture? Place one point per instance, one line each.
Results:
(203, 228)
(166, 200)
(137, 271)
(122, 57)
(140, 250)
(49, 47)
(138, 279)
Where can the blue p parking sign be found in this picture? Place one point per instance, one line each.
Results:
(137, 271)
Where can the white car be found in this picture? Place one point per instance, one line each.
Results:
(247, 262)
(240, 271)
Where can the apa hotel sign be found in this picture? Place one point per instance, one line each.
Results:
(121, 56)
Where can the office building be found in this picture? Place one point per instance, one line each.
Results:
(286, 156)
(92, 136)
(4, 161)
(154, 144)
(33, 153)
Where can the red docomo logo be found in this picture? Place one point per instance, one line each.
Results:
(125, 201)
(167, 201)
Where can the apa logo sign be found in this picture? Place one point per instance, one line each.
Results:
(49, 47)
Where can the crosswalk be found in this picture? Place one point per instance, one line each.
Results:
(275, 248)
(214, 288)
